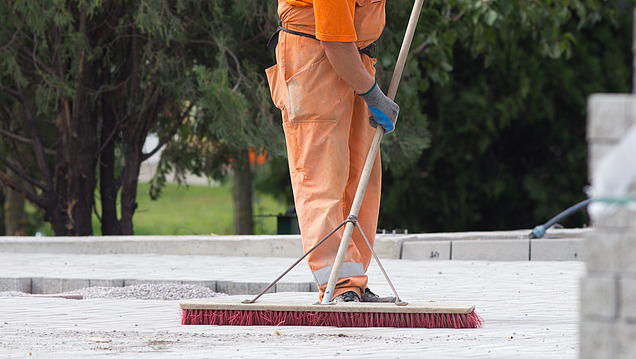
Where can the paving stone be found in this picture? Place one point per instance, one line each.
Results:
(256, 288)
(57, 285)
(15, 284)
(293, 287)
(232, 288)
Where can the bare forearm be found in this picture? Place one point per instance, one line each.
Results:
(345, 59)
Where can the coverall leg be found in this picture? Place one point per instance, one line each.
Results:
(328, 136)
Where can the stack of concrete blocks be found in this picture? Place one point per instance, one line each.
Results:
(608, 290)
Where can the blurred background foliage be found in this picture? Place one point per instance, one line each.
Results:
(491, 134)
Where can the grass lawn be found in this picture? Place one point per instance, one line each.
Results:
(199, 210)
(188, 210)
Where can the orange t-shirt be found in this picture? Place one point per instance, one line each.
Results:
(334, 18)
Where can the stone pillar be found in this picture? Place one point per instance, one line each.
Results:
(634, 52)
(608, 291)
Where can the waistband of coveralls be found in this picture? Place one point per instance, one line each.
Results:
(369, 50)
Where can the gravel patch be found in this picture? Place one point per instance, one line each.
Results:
(142, 291)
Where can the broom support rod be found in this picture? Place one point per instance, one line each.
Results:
(371, 157)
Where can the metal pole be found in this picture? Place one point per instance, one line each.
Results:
(373, 152)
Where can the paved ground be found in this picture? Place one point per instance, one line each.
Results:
(530, 310)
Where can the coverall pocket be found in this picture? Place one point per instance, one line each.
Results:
(317, 94)
(277, 87)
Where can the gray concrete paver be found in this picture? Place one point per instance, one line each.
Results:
(530, 311)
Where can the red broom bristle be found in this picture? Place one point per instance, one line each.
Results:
(335, 319)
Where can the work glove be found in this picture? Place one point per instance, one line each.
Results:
(383, 110)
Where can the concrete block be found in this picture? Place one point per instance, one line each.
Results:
(631, 106)
(599, 297)
(626, 340)
(15, 285)
(388, 246)
(492, 250)
(293, 287)
(243, 246)
(556, 249)
(627, 299)
(597, 340)
(422, 250)
(596, 151)
(627, 253)
(608, 116)
(603, 251)
(285, 246)
(106, 282)
(621, 217)
(57, 285)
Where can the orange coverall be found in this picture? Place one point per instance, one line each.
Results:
(328, 135)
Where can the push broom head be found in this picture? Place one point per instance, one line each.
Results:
(429, 315)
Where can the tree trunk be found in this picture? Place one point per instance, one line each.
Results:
(242, 195)
(108, 185)
(77, 154)
(15, 219)
(2, 229)
(129, 178)
(14, 215)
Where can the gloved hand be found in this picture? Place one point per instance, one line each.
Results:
(383, 110)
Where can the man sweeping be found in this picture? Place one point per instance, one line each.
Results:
(324, 84)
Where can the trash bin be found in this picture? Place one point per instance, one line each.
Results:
(287, 223)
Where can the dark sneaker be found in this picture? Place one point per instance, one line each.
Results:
(369, 296)
(349, 296)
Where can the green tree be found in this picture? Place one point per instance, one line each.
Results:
(82, 84)
(508, 136)
(234, 114)
(491, 128)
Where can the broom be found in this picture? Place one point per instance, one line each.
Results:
(328, 313)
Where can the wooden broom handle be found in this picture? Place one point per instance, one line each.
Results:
(373, 152)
